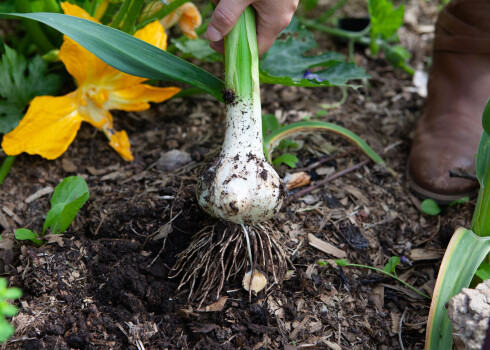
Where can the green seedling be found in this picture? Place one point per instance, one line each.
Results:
(388, 270)
(68, 197)
(465, 253)
(431, 208)
(379, 35)
(7, 309)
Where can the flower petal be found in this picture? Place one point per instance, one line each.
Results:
(119, 140)
(47, 129)
(137, 98)
(189, 20)
(154, 34)
(74, 10)
(85, 67)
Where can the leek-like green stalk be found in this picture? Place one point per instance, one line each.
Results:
(240, 186)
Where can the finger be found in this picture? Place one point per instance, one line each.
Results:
(218, 46)
(271, 23)
(224, 18)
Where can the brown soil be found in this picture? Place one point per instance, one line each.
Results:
(105, 285)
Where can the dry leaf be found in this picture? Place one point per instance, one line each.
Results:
(326, 247)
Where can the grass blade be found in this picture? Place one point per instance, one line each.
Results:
(273, 139)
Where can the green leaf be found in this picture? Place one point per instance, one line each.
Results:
(391, 265)
(71, 188)
(461, 200)
(430, 207)
(464, 254)
(486, 118)
(198, 48)
(310, 4)
(68, 197)
(7, 309)
(21, 82)
(385, 20)
(61, 215)
(290, 50)
(286, 158)
(322, 263)
(6, 330)
(269, 124)
(24, 234)
(399, 57)
(274, 138)
(12, 293)
(341, 262)
(483, 271)
(7, 6)
(128, 54)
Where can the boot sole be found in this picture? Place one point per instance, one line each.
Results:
(442, 199)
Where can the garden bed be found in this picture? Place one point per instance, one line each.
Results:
(104, 284)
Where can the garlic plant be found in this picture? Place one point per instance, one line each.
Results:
(240, 186)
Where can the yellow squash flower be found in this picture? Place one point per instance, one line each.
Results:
(51, 123)
(187, 16)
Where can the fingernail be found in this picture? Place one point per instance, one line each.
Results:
(213, 34)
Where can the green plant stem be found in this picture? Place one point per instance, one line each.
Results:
(241, 57)
(338, 103)
(327, 14)
(356, 36)
(390, 275)
(5, 167)
(132, 16)
(121, 14)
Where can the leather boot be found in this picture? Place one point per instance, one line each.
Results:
(448, 133)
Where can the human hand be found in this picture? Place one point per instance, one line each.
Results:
(272, 17)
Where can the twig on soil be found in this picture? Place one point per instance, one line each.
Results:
(324, 181)
(400, 329)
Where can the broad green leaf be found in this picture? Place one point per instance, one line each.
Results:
(21, 81)
(464, 254)
(61, 215)
(71, 188)
(198, 48)
(483, 155)
(286, 158)
(274, 138)
(385, 20)
(24, 234)
(128, 54)
(291, 49)
(339, 74)
(430, 207)
(68, 197)
(390, 266)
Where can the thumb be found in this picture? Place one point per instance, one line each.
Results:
(225, 17)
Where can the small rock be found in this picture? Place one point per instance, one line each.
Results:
(173, 160)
